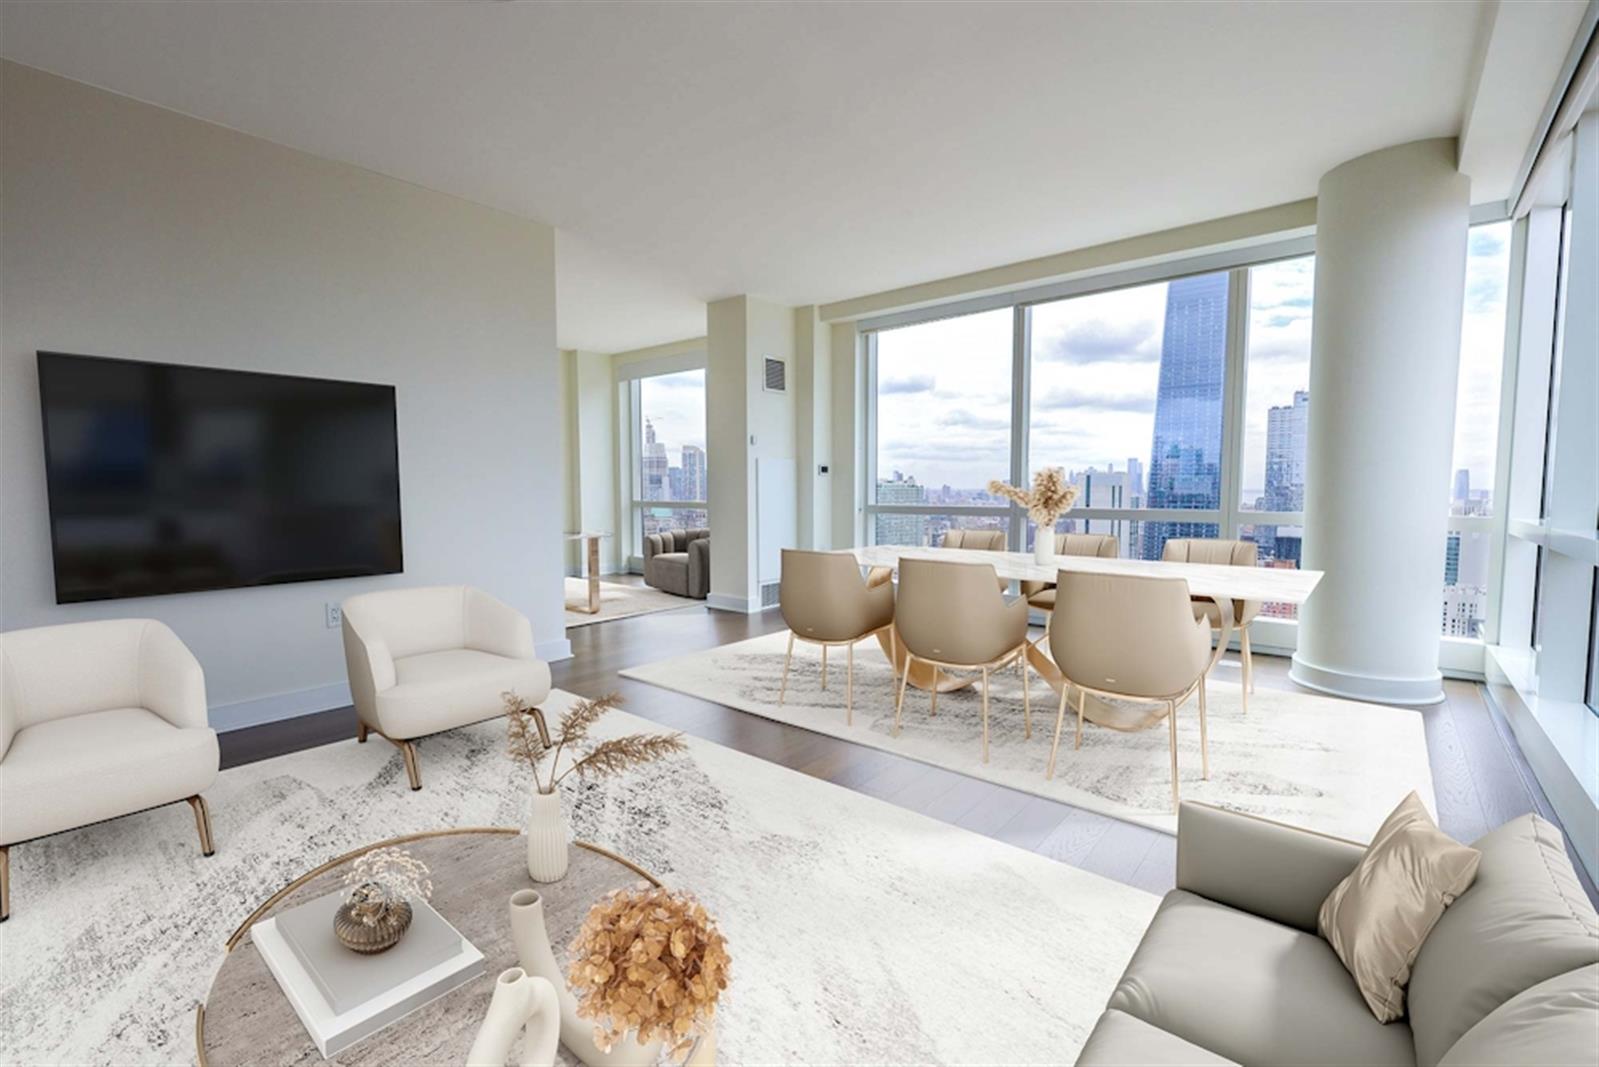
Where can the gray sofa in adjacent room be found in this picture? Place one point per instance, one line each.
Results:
(1231, 970)
(679, 561)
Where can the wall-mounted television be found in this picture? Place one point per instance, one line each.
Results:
(177, 479)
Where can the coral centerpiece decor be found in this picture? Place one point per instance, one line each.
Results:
(377, 912)
(649, 962)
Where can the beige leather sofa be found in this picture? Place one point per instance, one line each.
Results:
(422, 661)
(679, 561)
(1231, 970)
(98, 720)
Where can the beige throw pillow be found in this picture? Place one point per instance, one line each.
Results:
(1377, 918)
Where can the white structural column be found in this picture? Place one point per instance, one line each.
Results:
(750, 447)
(1385, 354)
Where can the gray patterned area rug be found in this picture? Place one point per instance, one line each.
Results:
(860, 932)
(1337, 766)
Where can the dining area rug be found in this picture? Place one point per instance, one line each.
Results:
(1332, 765)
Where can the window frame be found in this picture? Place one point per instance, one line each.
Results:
(631, 424)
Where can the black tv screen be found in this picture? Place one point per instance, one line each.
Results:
(173, 479)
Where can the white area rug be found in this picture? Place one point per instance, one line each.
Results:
(1337, 766)
(860, 932)
(618, 600)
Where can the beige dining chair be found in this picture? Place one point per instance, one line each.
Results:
(826, 602)
(1041, 595)
(951, 616)
(1137, 639)
(980, 541)
(1224, 553)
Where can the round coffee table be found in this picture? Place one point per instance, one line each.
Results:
(247, 1019)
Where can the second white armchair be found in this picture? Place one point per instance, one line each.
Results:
(422, 661)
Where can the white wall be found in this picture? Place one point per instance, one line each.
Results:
(135, 232)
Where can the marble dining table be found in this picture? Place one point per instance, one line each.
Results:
(1218, 582)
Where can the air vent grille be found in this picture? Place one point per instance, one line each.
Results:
(776, 375)
(769, 594)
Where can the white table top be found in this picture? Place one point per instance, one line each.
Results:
(586, 535)
(1280, 585)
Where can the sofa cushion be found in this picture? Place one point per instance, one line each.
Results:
(1524, 920)
(71, 772)
(1555, 1023)
(1121, 1040)
(442, 690)
(1377, 918)
(1252, 990)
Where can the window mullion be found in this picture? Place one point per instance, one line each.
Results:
(1021, 386)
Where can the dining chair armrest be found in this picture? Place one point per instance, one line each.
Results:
(1224, 633)
(878, 576)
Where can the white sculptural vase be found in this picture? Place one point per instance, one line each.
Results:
(533, 951)
(521, 1002)
(1043, 548)
(546, 838)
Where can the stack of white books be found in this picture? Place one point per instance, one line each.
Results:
(343, 996)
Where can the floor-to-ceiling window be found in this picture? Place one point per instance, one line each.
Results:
(1177, 405)
(669, 461)
(943, 420)
(1469, 549)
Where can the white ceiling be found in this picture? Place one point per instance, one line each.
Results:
(800, 152)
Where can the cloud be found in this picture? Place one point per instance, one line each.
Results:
(967, 419)
(913, 383)
(1096, 340)
(689, 379)
(1485, 242)
(1096, 399)
(1485, 292)
(1279, 321)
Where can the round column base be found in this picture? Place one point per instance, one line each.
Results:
(1409, 692)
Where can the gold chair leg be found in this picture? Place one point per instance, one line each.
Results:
(985, 714)
(1249, 664)
(900, 701)
(1171, 714)
(932, 710)
(849, 687)
(202, 822)
(1204, 742)
(1082, 700)
(824, 667)
(787, 659)
(360, 731)
(1027, 696)
(1060, 717)
(5, 882)
(412, 770)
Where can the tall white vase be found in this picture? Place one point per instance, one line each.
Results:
(546, 838)
(520, 1003)
(1044, 548)
(533, 950)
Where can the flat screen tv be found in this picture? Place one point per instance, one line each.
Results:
(174, 479)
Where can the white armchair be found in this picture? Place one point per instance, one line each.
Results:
(119, 703)
(423, 661)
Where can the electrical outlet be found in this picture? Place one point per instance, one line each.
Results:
(335, 615)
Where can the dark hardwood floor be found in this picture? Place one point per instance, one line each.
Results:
(1480, 777)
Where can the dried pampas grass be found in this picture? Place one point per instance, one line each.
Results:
(1050, 498)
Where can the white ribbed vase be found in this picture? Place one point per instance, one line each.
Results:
(532, 941)
(546, 838)
(1044, 548)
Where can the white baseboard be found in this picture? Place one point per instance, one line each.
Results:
(279, 706)
(550, 651)
(724, 602)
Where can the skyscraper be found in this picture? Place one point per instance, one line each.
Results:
(693, 472)
(1185, 456)
(656, 486)
(900, 529)
(1285, 454)
(1462, 485)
